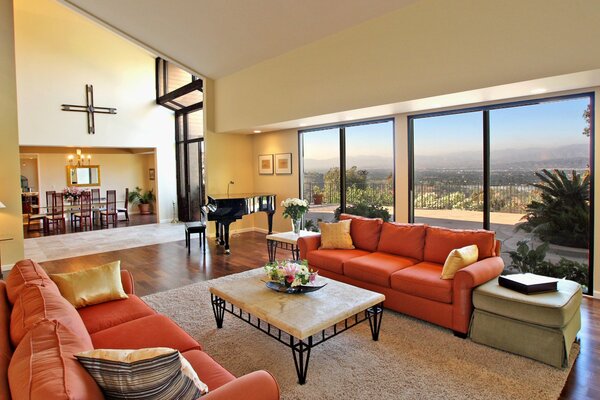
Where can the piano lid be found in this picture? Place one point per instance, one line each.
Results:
(238, 195)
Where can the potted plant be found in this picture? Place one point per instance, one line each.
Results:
(142, 198)
(317, 195)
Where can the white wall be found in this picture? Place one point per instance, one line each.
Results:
(58, 52)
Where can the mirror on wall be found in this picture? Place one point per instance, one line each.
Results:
(83, 176)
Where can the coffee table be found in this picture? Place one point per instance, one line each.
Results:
(299, 321)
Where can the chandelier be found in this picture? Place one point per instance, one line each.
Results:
(79, 159)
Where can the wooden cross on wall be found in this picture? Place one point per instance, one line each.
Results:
(89, 109)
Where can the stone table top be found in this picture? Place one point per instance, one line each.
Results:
(290, 237)
(300, 315)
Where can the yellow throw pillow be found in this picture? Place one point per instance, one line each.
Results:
(336, 235)
(459, 258)
(158, 372)
(91, 286)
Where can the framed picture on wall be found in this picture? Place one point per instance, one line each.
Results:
(265, 164)
(151, 174)
(283, 164)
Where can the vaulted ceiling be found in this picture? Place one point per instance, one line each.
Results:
(217, 38)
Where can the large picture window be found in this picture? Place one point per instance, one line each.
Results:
(365, 154)
(523, 170)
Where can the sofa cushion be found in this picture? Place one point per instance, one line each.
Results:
(91, 286)
(364, 231)
(38, 303)
(376, 267)
(26, 272)
(152, 331)
(439, 242)
(112, 313)
(5, 346)
(44, 367)
(423, 280)
(332, 260)
(209, 371)
(407, 240)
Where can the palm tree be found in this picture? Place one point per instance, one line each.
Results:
(562, 216)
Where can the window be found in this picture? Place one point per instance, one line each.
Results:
(365, 152)
(519, 169)
(182, 92)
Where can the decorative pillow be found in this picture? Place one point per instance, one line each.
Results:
(154, 373)
(336, 235)
(43, 366)
(91, 286)
(459, 258)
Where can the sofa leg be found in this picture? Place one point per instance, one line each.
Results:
(460, 335)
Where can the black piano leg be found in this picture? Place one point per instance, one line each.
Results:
(217, 232)
(270, 221)
(226, 235)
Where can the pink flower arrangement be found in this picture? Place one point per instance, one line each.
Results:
(290, 273)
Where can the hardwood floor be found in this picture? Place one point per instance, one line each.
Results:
(166, 266)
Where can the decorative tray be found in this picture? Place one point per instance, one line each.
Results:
(278, 287)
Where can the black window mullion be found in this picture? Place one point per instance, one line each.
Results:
(486, 169)
(411, 170)
(343, 169)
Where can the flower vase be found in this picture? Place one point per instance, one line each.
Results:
(296, 225)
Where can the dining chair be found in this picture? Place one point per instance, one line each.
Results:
(96, 207)
(55, 218)
(85, 212)
(125, 208)
(110, 212)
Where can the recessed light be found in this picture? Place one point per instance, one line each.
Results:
(538, 91)
(257, 131)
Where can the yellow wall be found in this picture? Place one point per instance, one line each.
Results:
(10, 184)
(429, 48)
(283, 186)
(117, 172)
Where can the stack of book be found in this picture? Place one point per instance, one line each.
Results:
(528, 283)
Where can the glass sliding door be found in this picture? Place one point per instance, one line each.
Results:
(520, 169)
(370, 168)
(321, 174)
(540, 185)
(448, 170)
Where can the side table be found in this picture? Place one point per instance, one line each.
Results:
(286, 241)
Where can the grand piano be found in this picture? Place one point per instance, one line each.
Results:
(225, 209)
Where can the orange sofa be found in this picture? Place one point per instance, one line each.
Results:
(40, 331)
(404, 262)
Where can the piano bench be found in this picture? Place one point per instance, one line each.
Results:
(195, 227)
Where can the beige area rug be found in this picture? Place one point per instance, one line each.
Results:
(411, 360)
(56, 247)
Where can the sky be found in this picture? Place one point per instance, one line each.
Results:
(361, 140)
(548, 124)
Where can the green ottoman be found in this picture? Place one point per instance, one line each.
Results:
(541, 326)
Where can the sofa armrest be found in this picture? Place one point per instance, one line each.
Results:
(465, 281)
(127, 281)
(308, 243)
(257, 385)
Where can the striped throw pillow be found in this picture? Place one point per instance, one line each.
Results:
(154, 373)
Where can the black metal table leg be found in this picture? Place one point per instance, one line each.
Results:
(301, 352)
(271, 249)
(375, 314)
(218, 306)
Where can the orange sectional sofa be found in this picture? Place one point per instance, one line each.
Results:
(40, 331)
(404, 262)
